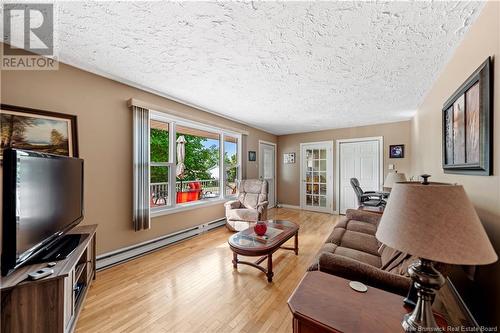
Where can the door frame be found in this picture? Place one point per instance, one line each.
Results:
(329, 184)
(275, 168)
(380, 140)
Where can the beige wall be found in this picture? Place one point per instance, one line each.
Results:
(481, 41)
(105, 142)
(289, 174)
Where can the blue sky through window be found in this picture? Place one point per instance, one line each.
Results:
(229, 147)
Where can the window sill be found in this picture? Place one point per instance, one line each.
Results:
(155, 212)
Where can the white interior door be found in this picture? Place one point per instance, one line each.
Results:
(359, 160)
(316, 190)
(267, 169)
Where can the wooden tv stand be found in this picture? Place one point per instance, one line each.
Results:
(51, 304)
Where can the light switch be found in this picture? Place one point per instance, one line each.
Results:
(391, 166)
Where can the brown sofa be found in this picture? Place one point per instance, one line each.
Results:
(353, 252)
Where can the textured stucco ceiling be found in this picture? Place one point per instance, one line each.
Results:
(284, 67)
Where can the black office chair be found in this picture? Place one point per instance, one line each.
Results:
(368, 198)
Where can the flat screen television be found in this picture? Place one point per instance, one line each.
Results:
(42, 201)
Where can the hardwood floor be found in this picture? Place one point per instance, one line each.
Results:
(192, 287)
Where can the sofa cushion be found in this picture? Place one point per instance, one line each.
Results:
(352, 225)
(367, 258)
(361, 215)
(352, 253)
(350, 269)
(360, 241)
(363, 227)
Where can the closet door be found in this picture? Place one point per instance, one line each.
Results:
(361, 160)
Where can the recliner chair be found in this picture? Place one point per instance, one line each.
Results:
(250, 207)
(368, 198)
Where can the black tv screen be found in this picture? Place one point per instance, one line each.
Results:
(43, 199)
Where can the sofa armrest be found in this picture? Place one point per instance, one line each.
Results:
(233, 204)
(351, 269)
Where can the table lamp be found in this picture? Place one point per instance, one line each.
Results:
(393, 178)
(434, 222)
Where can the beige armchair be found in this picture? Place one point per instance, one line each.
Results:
(251, 205)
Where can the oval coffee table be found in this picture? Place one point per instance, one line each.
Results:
(245, 243)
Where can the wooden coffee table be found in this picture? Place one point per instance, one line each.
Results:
(244, 244)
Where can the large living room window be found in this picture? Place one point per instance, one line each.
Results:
(190, 163)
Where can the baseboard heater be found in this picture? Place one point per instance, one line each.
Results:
(113, 258)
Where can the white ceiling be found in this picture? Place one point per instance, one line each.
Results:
(284, 67)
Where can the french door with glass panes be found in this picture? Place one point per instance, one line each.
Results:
(316, 170)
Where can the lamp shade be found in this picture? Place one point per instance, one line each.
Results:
(394, 177)
(437, 222)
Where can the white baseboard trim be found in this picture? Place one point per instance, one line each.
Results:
(298, 207)
(116, 257)
(289, 206)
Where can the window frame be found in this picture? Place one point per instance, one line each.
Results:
(238, 164)
(173, 121)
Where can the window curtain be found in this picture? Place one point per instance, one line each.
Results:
(141, 213)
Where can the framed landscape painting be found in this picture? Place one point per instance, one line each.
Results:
(38, 130)
(468, 127)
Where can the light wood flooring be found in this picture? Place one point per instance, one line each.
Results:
(192, 286)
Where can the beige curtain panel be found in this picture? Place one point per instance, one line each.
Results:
(141, 213)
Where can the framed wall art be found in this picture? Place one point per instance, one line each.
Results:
(252, 156)
(467, 125)
(38, 130)
(396, 151)
(289, 158)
